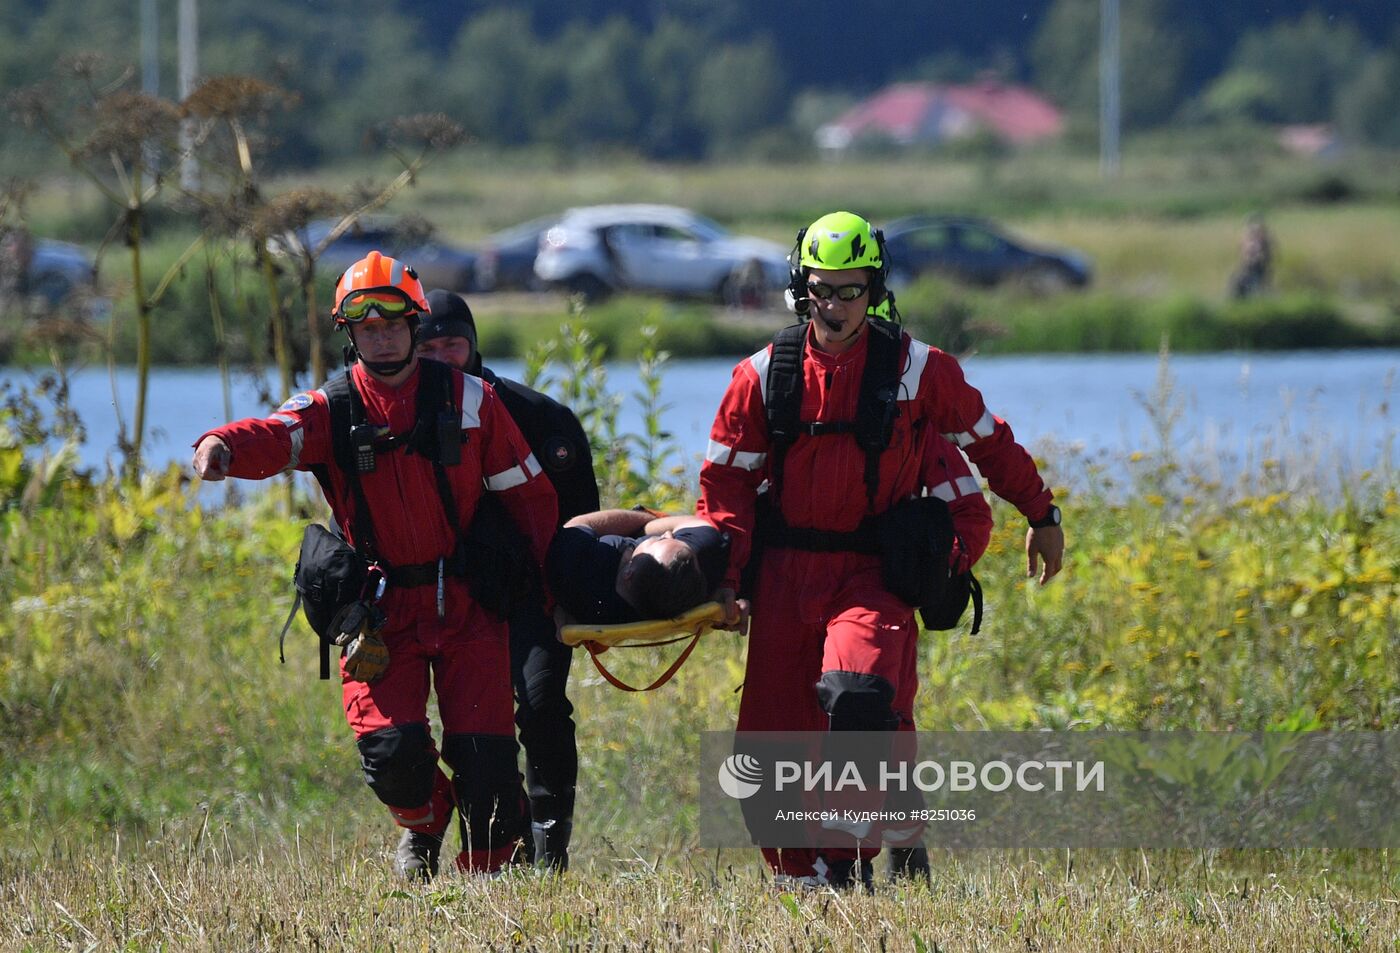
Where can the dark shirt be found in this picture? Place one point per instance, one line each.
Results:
(582, 570)
(558, 441)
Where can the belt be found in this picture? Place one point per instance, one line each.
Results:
(430, 574)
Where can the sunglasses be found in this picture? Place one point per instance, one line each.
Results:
(379, 302)
(824, 291)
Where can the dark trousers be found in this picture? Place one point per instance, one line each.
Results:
(539, 665)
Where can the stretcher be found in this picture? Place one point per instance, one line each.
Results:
(597, 639)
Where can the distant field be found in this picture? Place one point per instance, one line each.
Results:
(1170, 223)
(1163, 235)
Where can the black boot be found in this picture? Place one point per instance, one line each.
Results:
(551, 841)
(848, 874)
(911, 862)
(417, 856)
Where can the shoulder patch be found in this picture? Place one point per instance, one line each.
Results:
(558, 454)
(299, 402)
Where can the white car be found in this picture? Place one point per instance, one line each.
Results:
(600, 249)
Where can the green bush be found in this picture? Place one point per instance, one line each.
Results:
(682, 328)
(1008, 322)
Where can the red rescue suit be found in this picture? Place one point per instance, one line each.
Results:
(823, 621)
(462, 649)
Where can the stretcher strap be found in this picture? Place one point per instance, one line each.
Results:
(665, 676)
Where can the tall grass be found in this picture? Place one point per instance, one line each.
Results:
(319, 895)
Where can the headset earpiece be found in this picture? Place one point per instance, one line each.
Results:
(797, 300)
(880, 283)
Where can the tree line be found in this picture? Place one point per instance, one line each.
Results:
(677, 79)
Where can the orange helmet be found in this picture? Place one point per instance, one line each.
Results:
(378, 285)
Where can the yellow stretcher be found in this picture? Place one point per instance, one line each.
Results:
(599, 638)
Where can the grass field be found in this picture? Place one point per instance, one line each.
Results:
(317, 895)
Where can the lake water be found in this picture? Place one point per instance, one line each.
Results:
(1329, 409)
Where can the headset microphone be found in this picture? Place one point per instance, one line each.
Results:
(798, 306)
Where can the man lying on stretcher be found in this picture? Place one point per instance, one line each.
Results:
(615, 567)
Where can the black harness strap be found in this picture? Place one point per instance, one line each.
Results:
(436, 435)
(784, 401)
(876, 408)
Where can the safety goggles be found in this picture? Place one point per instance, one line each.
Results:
(376, 302)
(824, 291)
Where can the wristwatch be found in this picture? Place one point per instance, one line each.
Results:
(1051, 518)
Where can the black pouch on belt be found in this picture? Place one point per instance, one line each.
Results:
(330, 575)
(916, 545)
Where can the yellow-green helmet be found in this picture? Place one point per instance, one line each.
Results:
(841, 240)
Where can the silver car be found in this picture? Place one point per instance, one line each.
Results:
(597, 250)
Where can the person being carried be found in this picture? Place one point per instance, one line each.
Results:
(539, 663)
(404, 451)
(613, 567)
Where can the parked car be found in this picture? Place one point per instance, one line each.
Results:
(977, 252)
(596, 250)
(57, 271)
(506, 260)
(45, 273)
(439, 265)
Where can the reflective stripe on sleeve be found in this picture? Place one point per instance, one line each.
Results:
(918, 360)
(296, 433)
(473, 393)
(507, 479)
(983, 428)
(948, 492)
(515, 476)
(760, 362)
(944, 491)
(729, 457)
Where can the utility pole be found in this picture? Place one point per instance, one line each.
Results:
(189, 72)
(150, 63)
(1110, 77)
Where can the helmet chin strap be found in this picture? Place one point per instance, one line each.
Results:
(388, 368)
(384, 368)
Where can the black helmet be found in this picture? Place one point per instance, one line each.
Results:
(449, 316)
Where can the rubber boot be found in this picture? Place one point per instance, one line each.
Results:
(417, 856)
(849, 874)
(551, 841)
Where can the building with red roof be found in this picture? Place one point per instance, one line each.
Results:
(931, 113)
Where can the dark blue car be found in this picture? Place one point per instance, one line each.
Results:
(976, 252)
(59, 270)
(438, 264)
(506, 260)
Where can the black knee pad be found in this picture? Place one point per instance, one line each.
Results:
(857, 701)
(399, 764)
(487, 781)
